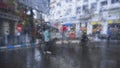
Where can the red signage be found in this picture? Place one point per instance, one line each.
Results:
(19, 27)
(3, 5)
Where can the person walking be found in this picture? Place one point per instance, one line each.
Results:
(6, 38)
(84, 37)
(46, 34)
(109, 34)
(18, 38)
(63, 31)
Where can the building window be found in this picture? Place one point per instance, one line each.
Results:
(94, 6)
(78, 10)
(115, 1)
(104, 3)
(68, 11)
(85, 0)
(59, 4)
(68, 0)
(85, 8)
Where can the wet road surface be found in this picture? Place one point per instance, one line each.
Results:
(91, 55)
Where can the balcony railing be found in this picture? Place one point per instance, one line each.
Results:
(8, 16)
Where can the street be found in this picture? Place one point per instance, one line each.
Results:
(83, 55)
(59, 33)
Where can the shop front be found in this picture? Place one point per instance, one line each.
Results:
(114, 28)
(96, 27)
(83, 27)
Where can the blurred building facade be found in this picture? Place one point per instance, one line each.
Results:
(8, 17)
(41, 7)
(94, 16)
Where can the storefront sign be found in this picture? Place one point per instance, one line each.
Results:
(93, 23)
(110, 22)
(113, 21)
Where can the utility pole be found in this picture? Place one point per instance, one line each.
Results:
(32, 27)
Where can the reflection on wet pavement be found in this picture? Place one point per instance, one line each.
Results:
(91, 55)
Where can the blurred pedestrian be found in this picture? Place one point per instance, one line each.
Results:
(39, 36)
(46, 34)
(63, 30)
(18, 37)
(72, 34)
(84, 37)
(109, 34)
(6, 37)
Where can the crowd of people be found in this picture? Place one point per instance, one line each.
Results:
(45, 35)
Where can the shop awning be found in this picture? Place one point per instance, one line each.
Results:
(93, 23)
(68, 24)
(113, 21)
(110, 21)
(96, 22)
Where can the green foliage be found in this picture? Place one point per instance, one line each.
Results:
(11, 2)
(17, 13)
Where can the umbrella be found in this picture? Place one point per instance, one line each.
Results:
(68, 24)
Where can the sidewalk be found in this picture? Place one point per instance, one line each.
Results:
(23, 41)
(27, 45)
